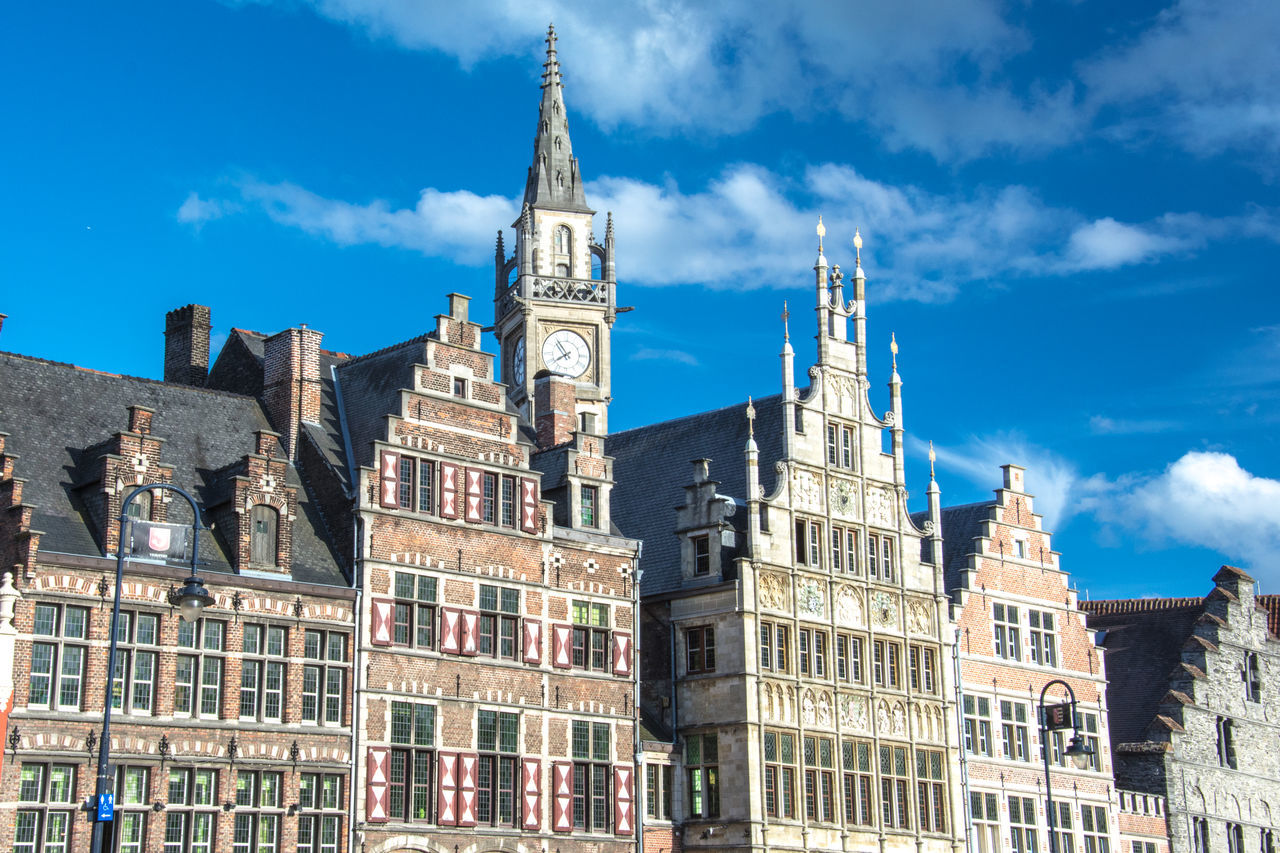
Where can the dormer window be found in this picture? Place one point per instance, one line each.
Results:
(702, 555)
(139, 508)
(263, 535)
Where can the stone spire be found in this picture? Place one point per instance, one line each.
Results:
(554, 180)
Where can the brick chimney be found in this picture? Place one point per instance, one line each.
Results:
(291, 382)
(186, 345)
(553, 405)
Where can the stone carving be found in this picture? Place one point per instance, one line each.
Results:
(824, 710)
(919, 619)
(899, 719)
(843, 497)
(809, 709)
(884, 722)
(810, 598)
(850, 610)
(884, 610)
(773, 592)
(880, 503)
(844, 388)
(853, 713)
(806, 490)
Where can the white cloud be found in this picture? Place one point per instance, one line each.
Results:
(196, 211)
(678, 356)
(750, 227)
(1204, 74)
(1104, 425)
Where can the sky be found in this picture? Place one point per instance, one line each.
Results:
(1069, 211)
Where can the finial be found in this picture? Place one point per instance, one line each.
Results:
(751, 419)
(893, 348)
(857, 246)
(933, 457)
(786, 328)
(822, 232)
(551, 72)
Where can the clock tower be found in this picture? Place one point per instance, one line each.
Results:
(554, 302)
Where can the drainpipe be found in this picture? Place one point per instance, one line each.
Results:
(358, 673)
(964, 755)
(638, 574)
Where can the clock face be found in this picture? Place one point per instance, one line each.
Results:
(517, 361)
(566, 353)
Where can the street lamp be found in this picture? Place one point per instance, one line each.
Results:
(190, 600)
(1056, 718)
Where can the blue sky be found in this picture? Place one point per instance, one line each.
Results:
(1070, 214)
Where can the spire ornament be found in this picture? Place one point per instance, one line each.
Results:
(822, 232)
(786, 328)
(933, 457)
(751, 419)
(857, 247)
(893, 349)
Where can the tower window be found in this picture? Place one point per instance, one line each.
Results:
(459, 387)
(263, 539)
(588, 506)
(701, 555)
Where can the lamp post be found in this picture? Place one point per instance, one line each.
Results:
(1056, 718)
(190, 601)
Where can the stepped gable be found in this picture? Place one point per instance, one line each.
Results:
(63, 413)
(651, 464)
(1143, 639)
(960, 526)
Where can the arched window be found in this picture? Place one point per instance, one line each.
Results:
(263, 539)
(564, 240)
(597, 267)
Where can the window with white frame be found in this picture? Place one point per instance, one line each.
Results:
(414, 613)
(1022, 825)
(886, 664)
(1007, 639)
(134, 688)
(198, 676)
(590, 638)
(840, 446)
(819, 779)
(895, 797)
(498, 740)
(1014, 730)
(775, 647)
(844, 550)
(190, 813)
(592, 751)
(660, 780)
(57, 656)
(499, 618)
(859, 796)
(46, 808)
(324, 684)
(1093, 826)
(922, 669)
(780, 774)
(257, 823)
(849, 658)
(319, 812)
(984, 810)
(931, 790)
(808, 543)
(265, 652)
(410, 777)
(132, 793)
(977, 725)
(1043, 642)
(811, 648)
(880, 557)
(1063, 825)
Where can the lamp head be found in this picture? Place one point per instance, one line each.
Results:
(192, 599)
(1079, 752)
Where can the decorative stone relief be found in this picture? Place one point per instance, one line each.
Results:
(850, 610)
(880, 504)
(853, 714)
(884, 720)
(843, 497)
(899, 719)
(884, 610)
(809, 708)
(806, 490)
(824, 710)
(811, 598)
(773, 592)
(919, 618)
(845, 390)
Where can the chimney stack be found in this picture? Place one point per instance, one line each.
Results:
(553, 405)
(291, 383)
(186, 345)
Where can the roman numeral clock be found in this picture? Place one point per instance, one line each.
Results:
(566, 353)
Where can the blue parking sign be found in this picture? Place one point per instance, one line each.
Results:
(106, 806)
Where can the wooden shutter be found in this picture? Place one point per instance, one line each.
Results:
(475, 493)
(448, 490)
(562, 790)
(450, 630)
(621, 653)
(529, 506)
(381, 625)
(376, 793)
(532, 641)
(447, 806)
(470, 631)
(389, 496)
(562, 646)
(467, 789)
(531, 793)
(624, 807)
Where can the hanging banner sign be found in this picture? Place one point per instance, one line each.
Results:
(154, 540)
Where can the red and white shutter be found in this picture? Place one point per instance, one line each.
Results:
(376, 793)
(529, 506)
(389, 488)
(531, 793)
(621, 653)
(447, 807)
(467, 789)
(448, 490)
(561, 646)
(562, 791)
(381, 626)
(450, 630)
(532, 641)
(624, 806)
(470, 631)
(475, 492)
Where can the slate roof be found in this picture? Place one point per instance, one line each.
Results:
(1143, 642)
(652, 466)
(1272, 605)
(55, 412)
(960, 526)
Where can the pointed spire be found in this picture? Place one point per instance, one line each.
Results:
(933, 457)
(554, 180)
(822, 232)
(857, 246)
(751, 420)
(786, 327)
(893, 349)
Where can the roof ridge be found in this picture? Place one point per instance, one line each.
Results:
(1108, 606)
(758, 401)
(418, 339)
(175, 385)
